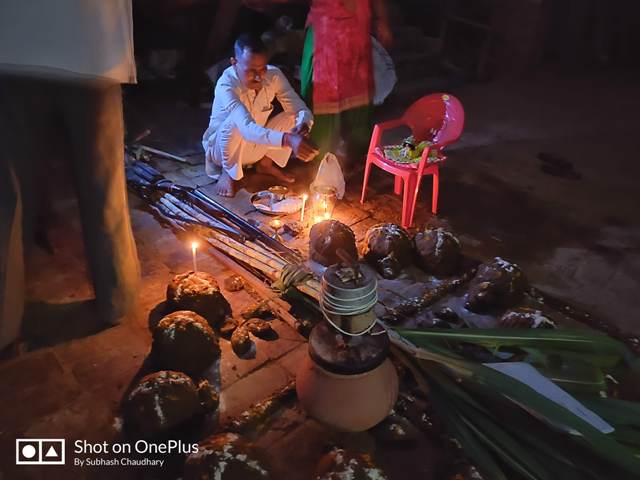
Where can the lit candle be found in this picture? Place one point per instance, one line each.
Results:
(276, 224)
(318, 219)
(327, 215)
(304, 202)
(194, 251)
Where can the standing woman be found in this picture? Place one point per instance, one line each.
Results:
(337, 69)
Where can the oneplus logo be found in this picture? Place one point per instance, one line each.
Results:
(40, 451)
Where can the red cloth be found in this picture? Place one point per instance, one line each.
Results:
(342, 62)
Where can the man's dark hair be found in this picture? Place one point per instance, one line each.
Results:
(250, 42)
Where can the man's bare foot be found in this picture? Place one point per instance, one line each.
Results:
(226, 186)
(267, 167)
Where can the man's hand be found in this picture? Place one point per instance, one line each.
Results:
(302, 148)
(302, 129)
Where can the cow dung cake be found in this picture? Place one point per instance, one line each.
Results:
(163, 400)
(525, 317)
(438, 250)
(388, 248)
(497, 284)
(241, 343)
(200, 293)
(234, 283)
(184, 341)
(226, 456)
(326, 238)
(340, 463)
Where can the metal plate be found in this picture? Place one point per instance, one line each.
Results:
(263, 197)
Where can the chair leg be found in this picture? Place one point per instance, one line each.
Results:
(414, 198)
(397, 185)
(408, 200)
(365, 181)
(434, 195)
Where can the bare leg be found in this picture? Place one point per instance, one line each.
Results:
(267, 167)
(226, 186)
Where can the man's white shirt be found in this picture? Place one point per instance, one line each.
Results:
(236, 107)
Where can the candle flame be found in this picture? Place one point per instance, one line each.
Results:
(304, 201)
(194, 248)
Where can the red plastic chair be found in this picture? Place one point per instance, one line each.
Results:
(439, 118)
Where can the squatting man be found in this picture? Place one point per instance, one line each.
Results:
(241, 132)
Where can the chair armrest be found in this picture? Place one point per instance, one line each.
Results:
(379, 128)
(389, 124)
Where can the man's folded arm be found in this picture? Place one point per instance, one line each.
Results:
(243, 120)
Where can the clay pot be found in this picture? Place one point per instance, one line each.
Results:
(349, 403)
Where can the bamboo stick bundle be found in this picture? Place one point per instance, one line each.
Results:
(266, 258)
(268, 270)
(311, 288)
(194, 211)
(258, 244)
(271, 272)
(252, 253)
(264, 255)
(270, 253)
(165, 213)
(142, 174)
(173, 210)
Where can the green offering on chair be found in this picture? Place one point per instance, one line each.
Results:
(409, 152)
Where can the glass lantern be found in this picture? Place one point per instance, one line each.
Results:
(323, 201)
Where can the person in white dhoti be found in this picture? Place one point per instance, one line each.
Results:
(243, 132)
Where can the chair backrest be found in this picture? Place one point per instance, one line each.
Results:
(438, 117)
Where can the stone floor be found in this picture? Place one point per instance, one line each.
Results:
(577, 238)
